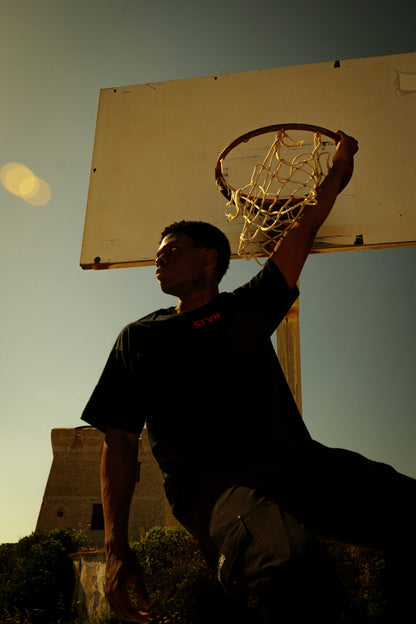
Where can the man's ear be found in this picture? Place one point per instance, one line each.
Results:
(211, 258)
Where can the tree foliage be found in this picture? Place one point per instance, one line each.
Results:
(182, 589)
(37, 581)
(37, 577)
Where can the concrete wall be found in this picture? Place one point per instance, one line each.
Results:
(89, 595)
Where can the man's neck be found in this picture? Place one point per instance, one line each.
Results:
(196, 300)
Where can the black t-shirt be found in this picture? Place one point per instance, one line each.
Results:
(208, 385)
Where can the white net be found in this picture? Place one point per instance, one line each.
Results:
(280, 188)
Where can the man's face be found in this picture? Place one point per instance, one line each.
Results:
(180, 264)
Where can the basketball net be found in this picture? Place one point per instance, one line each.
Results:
(279, 190)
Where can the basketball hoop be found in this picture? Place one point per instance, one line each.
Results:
(285, 164)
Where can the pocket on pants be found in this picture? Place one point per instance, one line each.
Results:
(256, 544)
(230, 569)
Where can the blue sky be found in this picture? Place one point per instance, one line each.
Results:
(58, 322)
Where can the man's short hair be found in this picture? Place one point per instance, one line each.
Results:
(204, 235)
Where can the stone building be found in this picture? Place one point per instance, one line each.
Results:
(72, 496)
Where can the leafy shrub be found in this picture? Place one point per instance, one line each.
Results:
(37, 580)
(182, 590)
(37, 577)
(108, 618)
(361, 572)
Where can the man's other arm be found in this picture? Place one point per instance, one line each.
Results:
(293, 248)
(118, 479)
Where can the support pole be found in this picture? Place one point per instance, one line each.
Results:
(288, 351)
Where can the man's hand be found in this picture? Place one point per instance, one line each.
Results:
(293, 248)
(123, 571)
(346, 148)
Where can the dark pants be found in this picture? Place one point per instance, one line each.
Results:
(261, 534)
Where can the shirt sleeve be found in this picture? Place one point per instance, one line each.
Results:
(115, 401)
(268, 294)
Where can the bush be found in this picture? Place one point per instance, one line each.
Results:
(37, 580)
(171, 564)
(182, 590)
(361, 573)
(109, 618)
(37, 577)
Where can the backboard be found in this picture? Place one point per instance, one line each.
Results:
(156, 146)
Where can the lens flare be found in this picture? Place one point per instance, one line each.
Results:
(42, 195)
(22, 182)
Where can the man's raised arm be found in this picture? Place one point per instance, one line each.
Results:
(293, 248)
(118, 479)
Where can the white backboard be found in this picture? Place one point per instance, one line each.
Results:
(156, 146)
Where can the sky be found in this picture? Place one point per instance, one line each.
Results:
(59, 322)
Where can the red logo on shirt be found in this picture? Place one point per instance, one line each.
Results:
(207, 320)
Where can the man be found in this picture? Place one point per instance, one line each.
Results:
(240, 468)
